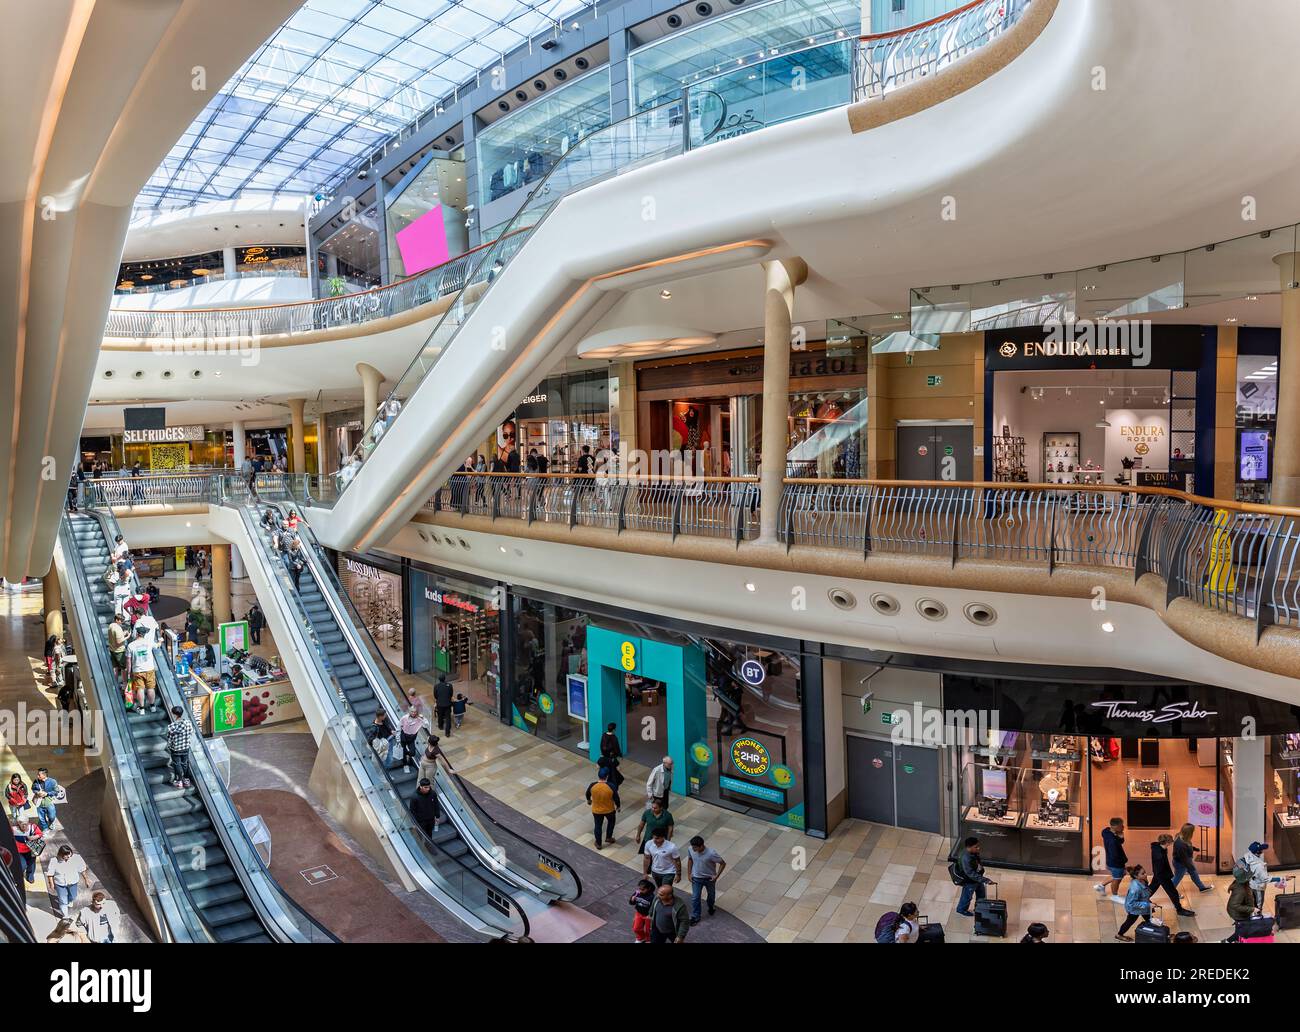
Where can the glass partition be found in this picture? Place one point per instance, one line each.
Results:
(519, 149)
(658, 71)
(424, 224)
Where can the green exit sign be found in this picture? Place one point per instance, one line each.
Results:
(886, 717)
(934, 381)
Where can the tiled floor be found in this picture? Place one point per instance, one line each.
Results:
(793, 888)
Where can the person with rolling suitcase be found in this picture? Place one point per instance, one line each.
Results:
(1137, 901)
(1247, 923)
(968, 872)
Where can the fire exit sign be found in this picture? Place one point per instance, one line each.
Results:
(933, 380)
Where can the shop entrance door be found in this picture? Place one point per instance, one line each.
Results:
(936, 451)
(893, 784)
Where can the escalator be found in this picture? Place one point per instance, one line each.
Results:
(492, 882)
(221, 883)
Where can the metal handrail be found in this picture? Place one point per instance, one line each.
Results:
(884, 61)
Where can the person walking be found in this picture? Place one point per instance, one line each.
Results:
(1185, 858)
(256, 621)
(458, 707)
(669, 921)
(604, 809)
(971, 870)
(142, 671)
(410, 727)
(424, 807)
(609, 743)
(659, 782)
(1254, 864)
(1162, 875)
(1112, 844)
(1036, 932)
(442, 700)
(641, 900)
(704, 866)
(64, 877)
(663, 861)
(17, 796)
(180, 738)
(45, 795)
(100, 920)
(1241, 901)
(29, 839)
(656, 817)
(1137, 902)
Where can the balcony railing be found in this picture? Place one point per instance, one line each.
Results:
(439, 282)
(886, 60)
(1234, 557)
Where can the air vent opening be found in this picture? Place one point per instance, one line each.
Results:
(932, 609)
(841, 599)
(981, 614)
(886, 604)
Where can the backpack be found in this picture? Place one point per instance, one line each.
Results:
(886, 927)
(954, 870)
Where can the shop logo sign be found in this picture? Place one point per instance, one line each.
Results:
(1008, 349)
(361, 569)
(750, 757)
(1117, 709)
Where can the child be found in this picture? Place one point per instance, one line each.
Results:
(642, 900)
(458, 705)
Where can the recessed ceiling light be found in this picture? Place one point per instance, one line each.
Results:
(1108, 627)
(665, 293)
(749, 586)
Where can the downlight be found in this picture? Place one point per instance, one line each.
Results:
(674, 21)
(539, 85)
(463, 544)
(520, 96)
(581, 63)
(167, 374)
(703, 9)
(886, 604)
(503, 105)
(196, 374)
(931, 609)
(138, 375)
(560, 75)
(981, 614)
(109, 374)
(841, 599)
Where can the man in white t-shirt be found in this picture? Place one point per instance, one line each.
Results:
(101, 920)
(63, 878)
(141, 670)
(662, 862)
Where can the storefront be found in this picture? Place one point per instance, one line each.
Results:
(161, 450)
(374, 585)
(456, 634)
(562, 416)
(711, 408)
(728, 712)
(1067, 757)
(1107, 409)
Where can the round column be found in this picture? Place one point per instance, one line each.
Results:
(52, 596)
(780, 280)
(371, 379)
(220, 585)
(1286, 440)
(298, 456)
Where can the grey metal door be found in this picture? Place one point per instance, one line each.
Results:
(916, 787)
(915, 453)
(871, 780)
(941, 451)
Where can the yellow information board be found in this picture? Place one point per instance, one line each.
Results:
(1220, 575)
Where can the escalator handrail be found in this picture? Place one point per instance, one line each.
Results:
(329, 677)
(394, 685)
(259, 885)
(95, 642)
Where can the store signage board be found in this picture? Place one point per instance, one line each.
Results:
(1204, 806)
(234, 635)
(1128, 709)
(753, 673)
(576, 693)
(1167, 347)
(167, 435)
(227, 710)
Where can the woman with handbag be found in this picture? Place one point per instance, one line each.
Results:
(30, 841)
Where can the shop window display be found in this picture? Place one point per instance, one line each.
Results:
(457, 635)
(377, 597)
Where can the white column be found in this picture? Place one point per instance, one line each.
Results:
(228, 261)
(371, 379)
(1249, 806)
(239, 445)
(780, 279)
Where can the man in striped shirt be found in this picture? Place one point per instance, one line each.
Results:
(180, 736)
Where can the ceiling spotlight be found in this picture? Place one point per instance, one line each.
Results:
(1108, 627)
(1252, 297)
(749, 586)
(665, 293)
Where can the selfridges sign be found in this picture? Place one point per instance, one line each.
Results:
(167, 435)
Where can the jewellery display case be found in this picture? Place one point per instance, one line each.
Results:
(1148, 799)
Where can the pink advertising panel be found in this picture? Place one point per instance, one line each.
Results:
(423, 244)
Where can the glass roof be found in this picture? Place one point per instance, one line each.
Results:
(333, 83)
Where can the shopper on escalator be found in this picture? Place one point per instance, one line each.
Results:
(380, 730)
(424, 807)
(142, 670)
(410, 727)
(180, 738)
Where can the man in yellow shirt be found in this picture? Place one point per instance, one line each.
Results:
(604, 807)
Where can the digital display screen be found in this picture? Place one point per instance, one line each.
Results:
(994, 783)
(1253, 455)
(144, 418)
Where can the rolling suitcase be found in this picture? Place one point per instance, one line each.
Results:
(930, 931)
(991, 916)
(1287, 906)
(1150, 932)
